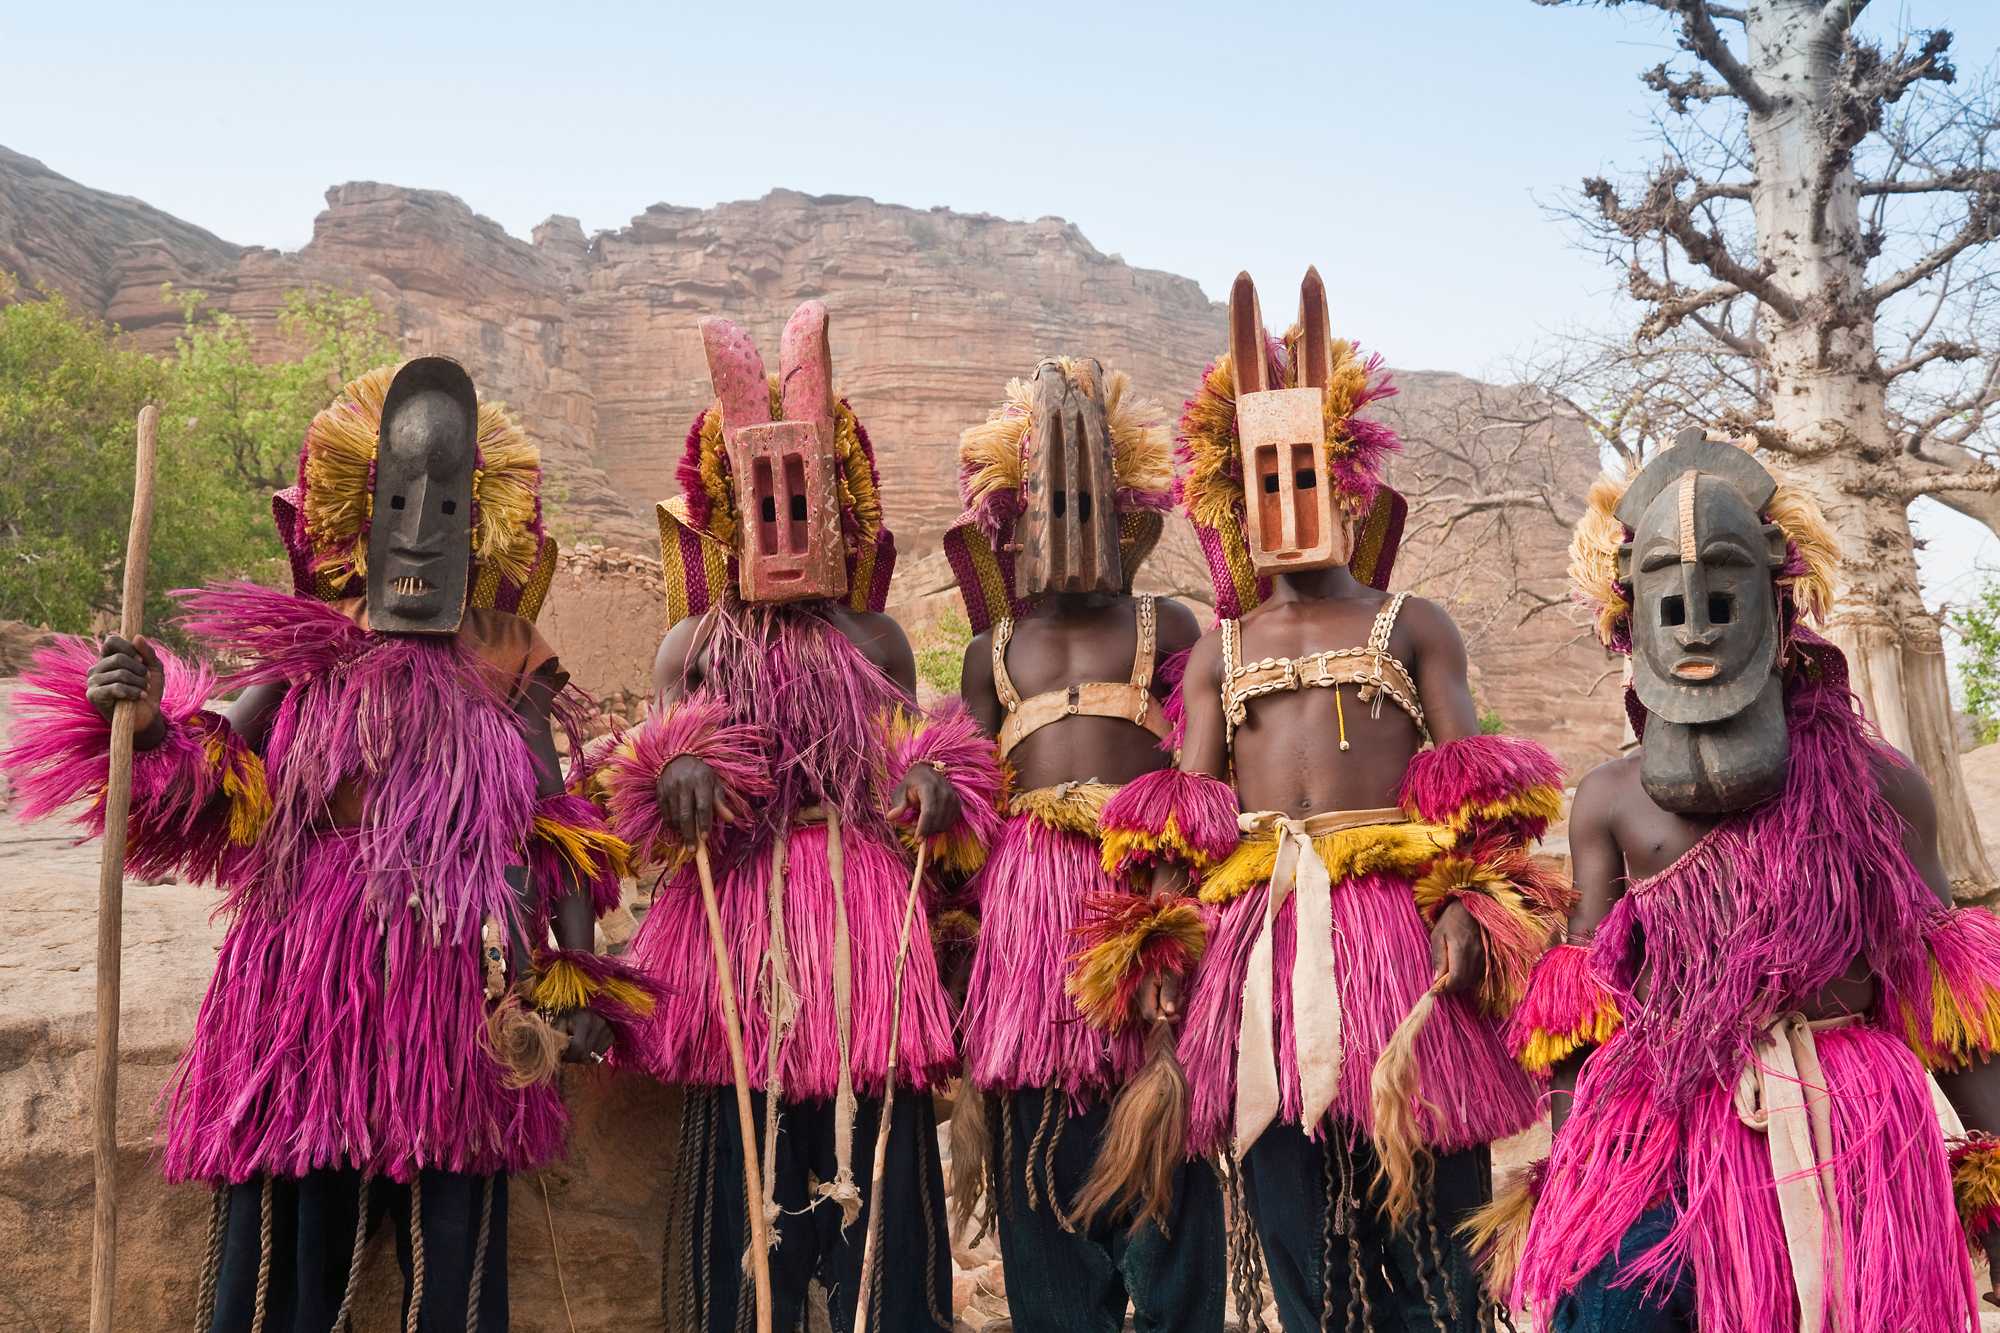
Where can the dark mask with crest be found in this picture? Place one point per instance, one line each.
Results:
(1706, 627)
(420, 531)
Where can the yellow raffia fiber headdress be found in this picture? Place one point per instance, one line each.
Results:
(1805, 582)
(336, 495)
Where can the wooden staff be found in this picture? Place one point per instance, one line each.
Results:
(111, 897)
(883, 1121)
(732, 1024)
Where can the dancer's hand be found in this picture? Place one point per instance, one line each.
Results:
(128, 672)
(1458, 950)
(589, 1035)
(692, 798)
(929, 792)
(1159, 998)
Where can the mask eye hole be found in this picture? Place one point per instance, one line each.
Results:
(1305, 479)
(1083, 506)
(450, 506)
(395, 502)
(767, 509)
(798, 509)
(1270, 483)
(1721, 608)
(1673, 610)
(1061, 503)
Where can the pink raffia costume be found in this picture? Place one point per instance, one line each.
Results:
(1730, 1162)
(809, 738)
(1022, 1030)
(1282, 1037)
(384, 813)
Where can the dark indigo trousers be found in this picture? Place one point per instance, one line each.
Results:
(312, 1241)
(913, 1264)
(1596, 1306)
(1061, 1281)
(1407, 1281)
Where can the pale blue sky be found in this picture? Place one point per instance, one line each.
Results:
(1405, 146)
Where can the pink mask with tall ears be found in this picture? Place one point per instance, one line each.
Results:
(785, 473)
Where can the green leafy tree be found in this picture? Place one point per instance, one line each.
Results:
(232, 417)
(252, 411)
(1978, 626)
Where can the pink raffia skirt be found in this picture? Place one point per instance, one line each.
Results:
(328, 1039)
(685, 1041)
(1903, 1265)
(1021, 1028)
(1471, 1091)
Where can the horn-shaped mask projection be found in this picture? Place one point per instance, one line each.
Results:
(1296, 520)
(1069, 518)
(420, 533)
(1702, 565)
(785, 473)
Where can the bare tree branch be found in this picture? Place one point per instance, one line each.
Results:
(1664, 212)
(1701, 36)
(1982, 224)
(1965, 180)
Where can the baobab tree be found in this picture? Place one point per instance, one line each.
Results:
(1813, 265)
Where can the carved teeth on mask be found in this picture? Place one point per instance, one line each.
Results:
(409, 585)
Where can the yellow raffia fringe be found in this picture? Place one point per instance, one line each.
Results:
(1463, 874)
(1593, 553)
(1213, 488)
(563, 985)
(243, 787)
(339, 498)
(1497, 1235)
(1540, 803)
(1975, 1181)
(1544, 1049)
(1956, 1035)
(1069, 807)
(589, 851)
(1093, 982)
(1400, 849)
(1122, 848)
(860, 497)
(956, 925)
(990, 453)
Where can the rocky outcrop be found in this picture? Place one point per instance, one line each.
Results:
(592, 339)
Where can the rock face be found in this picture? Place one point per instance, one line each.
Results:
(593, 340)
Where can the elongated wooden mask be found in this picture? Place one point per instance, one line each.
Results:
(1294, 518)
(1069, 519)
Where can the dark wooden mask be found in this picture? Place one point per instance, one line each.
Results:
(1068, 531)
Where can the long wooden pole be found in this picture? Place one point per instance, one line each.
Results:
(111, 898)
(884, 1122)
(732, 1024)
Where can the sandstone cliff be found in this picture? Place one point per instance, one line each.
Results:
(592, 339)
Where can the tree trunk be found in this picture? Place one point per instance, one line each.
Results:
(1827, 397)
